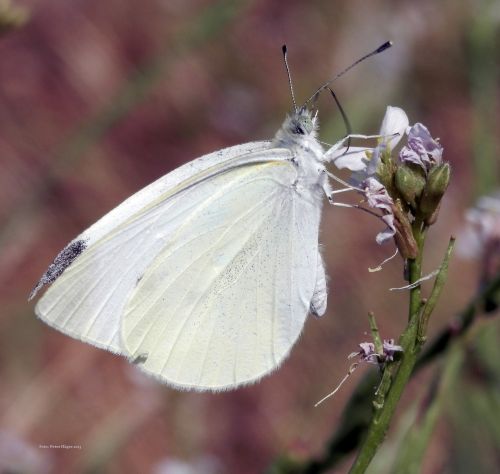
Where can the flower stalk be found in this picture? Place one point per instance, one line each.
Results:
(356, 418)
(395, 377)
(408, 192)
(377, 341)
(399, 373)
(435, 294)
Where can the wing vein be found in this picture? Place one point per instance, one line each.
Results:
(190, 314)
(183, 271)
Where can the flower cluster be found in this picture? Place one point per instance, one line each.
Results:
(404, 189)
(483, 227)
(480, 239)
(367, 352)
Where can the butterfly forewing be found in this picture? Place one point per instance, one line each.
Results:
(87, 299)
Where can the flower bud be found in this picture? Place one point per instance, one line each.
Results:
(437, 182)
(410, 182)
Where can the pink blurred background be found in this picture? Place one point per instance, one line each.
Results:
(97, 99)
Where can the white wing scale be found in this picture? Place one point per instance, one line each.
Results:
(113, 253)
(205, 277)
(223, 306)
(87, 300)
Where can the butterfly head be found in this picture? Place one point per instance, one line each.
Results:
(298, 128)
(302, 122)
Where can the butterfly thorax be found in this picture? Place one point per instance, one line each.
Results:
(299, 135)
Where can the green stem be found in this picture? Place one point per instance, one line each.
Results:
(357, 414)
(435, 294)
(383, 414)
(377, 341)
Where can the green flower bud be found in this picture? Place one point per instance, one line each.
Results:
(437, 182)
(410, 182)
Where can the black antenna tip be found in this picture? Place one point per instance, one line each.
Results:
(283, 48)
(383, 47)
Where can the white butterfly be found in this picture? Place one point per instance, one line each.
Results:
(205, 277)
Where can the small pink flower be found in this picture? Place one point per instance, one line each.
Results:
(422, 149)
(482, 231)
(391, 349)
(480, 240)
(368, 354)
(18, 455)
(377, 197)
(363, 162)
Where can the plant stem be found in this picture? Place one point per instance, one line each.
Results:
(435, 294)
(383, 414)
(357, 414)
(377, 341)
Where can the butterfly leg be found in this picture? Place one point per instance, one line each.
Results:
(340, 149)
(325, 184)
(345, 139)
(327, 188)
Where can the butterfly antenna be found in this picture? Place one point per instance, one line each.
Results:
(344, 117)
(283, 48)
(380, 49)
(315, 103)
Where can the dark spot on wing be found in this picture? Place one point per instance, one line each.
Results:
(60, 263)
(140, 358)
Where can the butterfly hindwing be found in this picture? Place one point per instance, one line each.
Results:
(227, 296)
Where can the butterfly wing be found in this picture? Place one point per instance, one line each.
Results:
(227, 296)
(93, 276)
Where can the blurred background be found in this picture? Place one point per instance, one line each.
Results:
(98, 99)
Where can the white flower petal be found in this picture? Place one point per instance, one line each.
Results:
(469, 244)
(355, 159)
(481, 234)
(389, 232)
(395, 122)
(490, 203)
